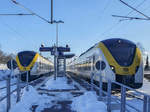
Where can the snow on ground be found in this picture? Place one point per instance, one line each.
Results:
(4, 73)
(136, 103)
(4, 91)
(146, 87)
(88, 103)
(4, 83)
(3, 103)
(85, 103)
(60, 83)
(28, 98)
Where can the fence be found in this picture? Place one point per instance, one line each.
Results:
(122, 100)
(9, 92)
(9, 85)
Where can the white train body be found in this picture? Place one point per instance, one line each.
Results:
(32, 62)
(120, 70)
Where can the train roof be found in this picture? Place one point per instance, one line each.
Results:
(32, 53)
(88, 50)
(108, 42)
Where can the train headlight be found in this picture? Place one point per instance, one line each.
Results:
(112, 68)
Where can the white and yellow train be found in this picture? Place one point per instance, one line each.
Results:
(122, 62)
(34, 63)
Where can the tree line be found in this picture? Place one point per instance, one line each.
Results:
(4, 58)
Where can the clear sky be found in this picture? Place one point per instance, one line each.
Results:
(86, 23)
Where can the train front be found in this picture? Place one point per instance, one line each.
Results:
(125, 60)
(25, 61)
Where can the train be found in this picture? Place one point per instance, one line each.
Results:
(121, 61)
(34, 63)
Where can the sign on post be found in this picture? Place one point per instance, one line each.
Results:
(100, 65)
(45, 49)
(14, 64)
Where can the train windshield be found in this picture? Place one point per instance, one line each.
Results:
(122, 50)
(26, 57)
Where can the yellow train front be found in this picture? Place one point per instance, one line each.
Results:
(35, 64)
(122, 60)
(125, 60)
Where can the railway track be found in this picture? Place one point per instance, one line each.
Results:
(117, 92)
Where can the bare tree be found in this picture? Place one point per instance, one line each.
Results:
(4, 58)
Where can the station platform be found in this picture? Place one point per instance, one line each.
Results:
(60, 95)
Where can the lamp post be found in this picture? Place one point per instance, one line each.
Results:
(56, 51)
(57, 22)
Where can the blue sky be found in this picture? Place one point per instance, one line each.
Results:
(86, 23)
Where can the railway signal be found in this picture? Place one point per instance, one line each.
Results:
(11, 64)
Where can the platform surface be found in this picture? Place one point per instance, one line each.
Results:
(60, 95)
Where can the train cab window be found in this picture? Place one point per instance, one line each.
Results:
(122, 50)
(26, 57)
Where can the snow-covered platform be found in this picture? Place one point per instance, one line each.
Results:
(61, 95)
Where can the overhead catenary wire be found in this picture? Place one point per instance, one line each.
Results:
(126, 18)
(20, 14)
(11, 29)
(130, 18)
(112, 26)
(146, 8)
(30, 11)
(106, 6)
(135, 9)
